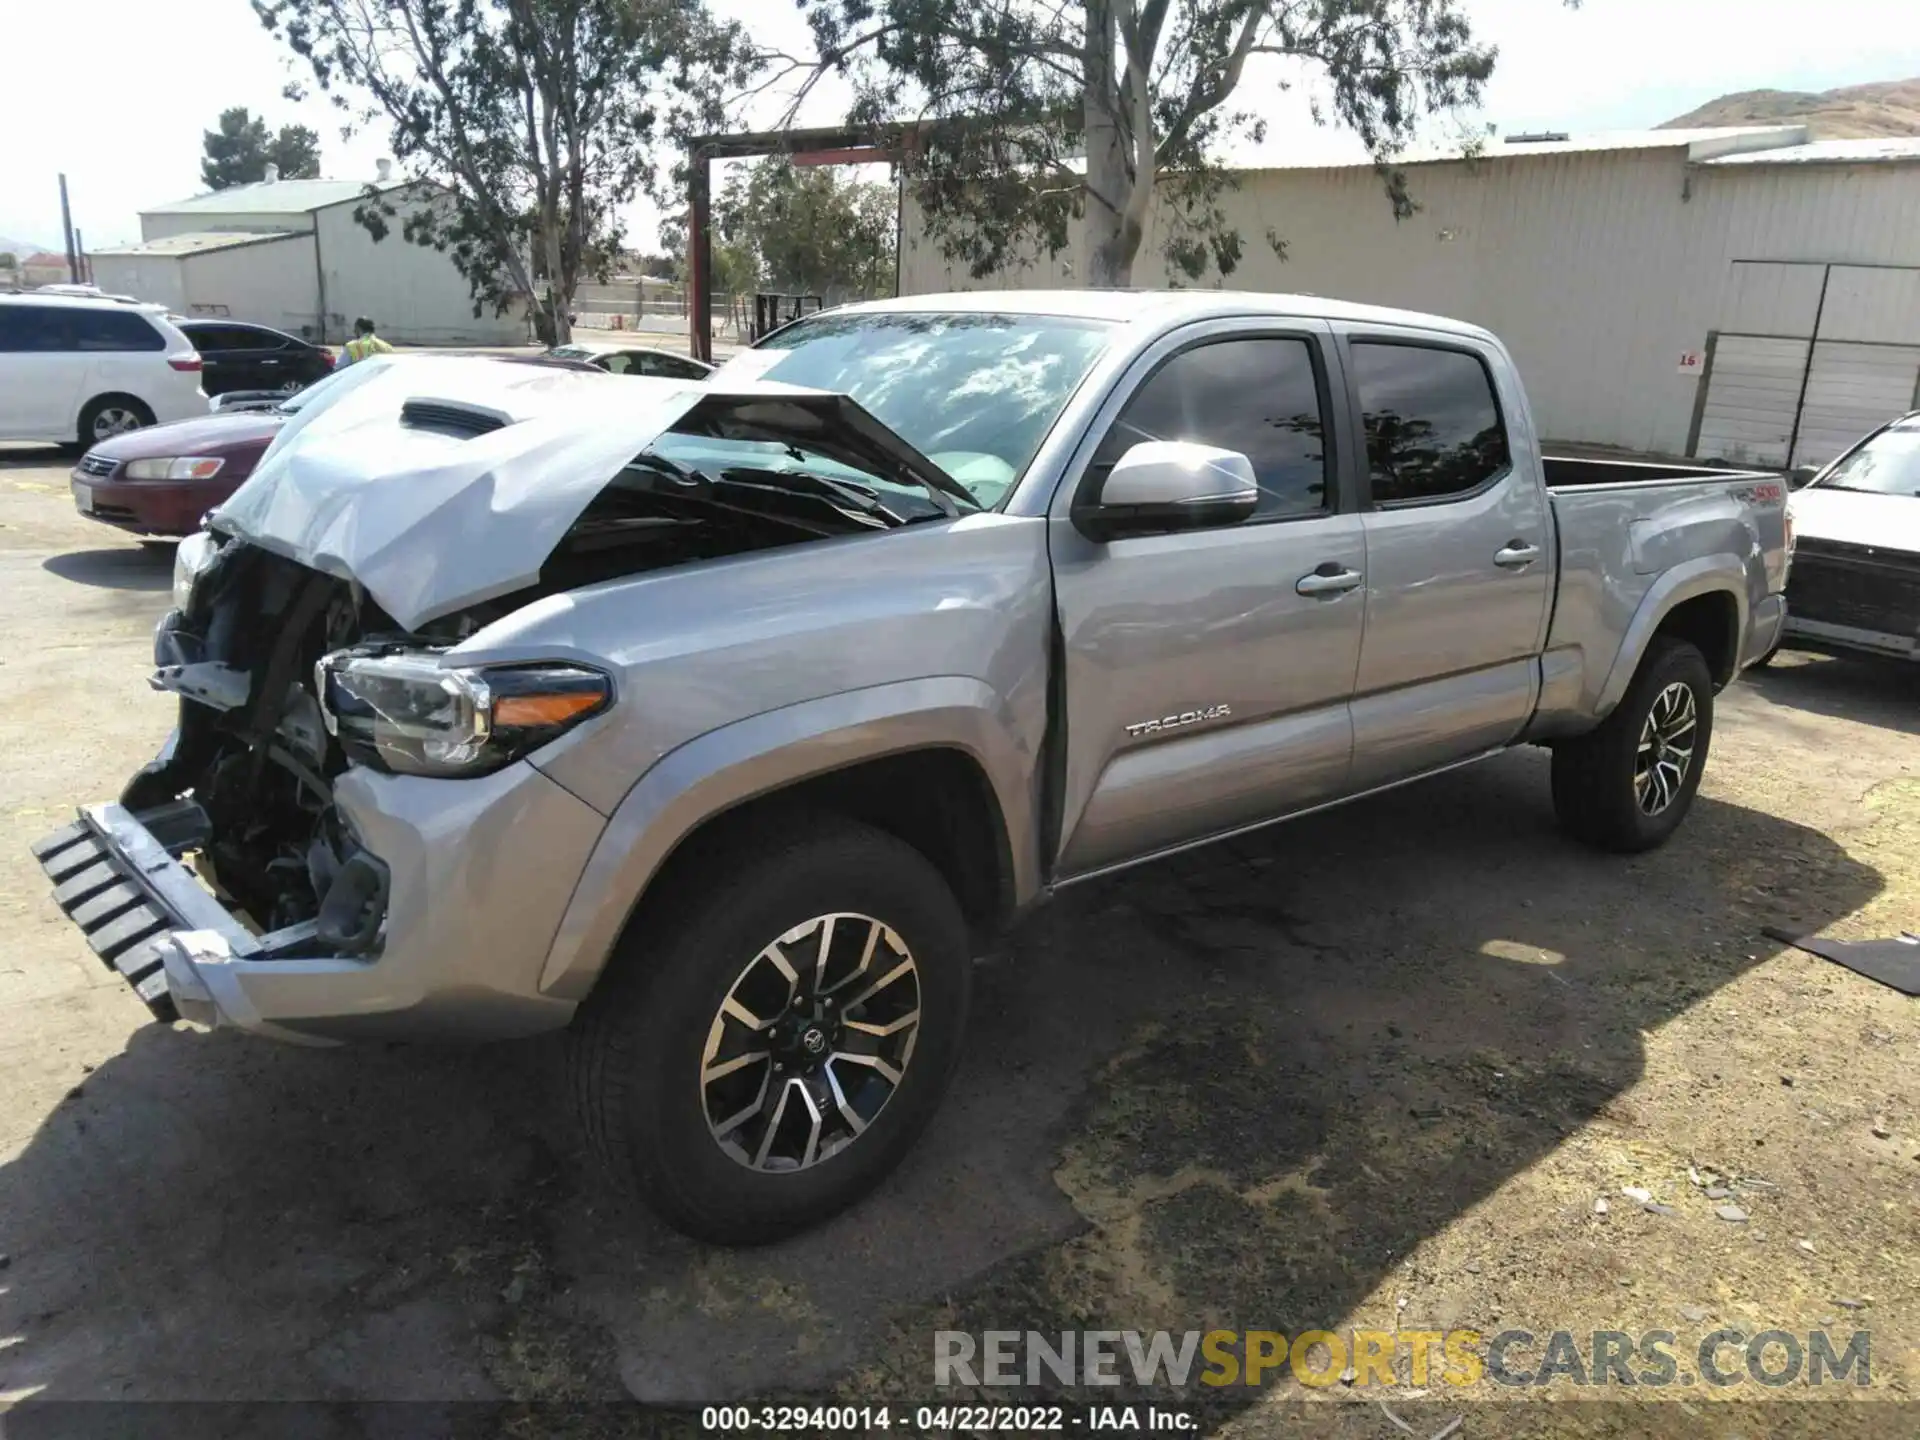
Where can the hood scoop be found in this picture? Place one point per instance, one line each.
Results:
(363, 485)
(453, 417)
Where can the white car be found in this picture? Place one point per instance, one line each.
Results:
(624, 357)
(77, 370)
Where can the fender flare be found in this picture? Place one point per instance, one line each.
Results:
(1707, 575)
(763, 754)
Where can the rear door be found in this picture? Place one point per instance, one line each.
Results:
(42, 374)
(1208, 672)
(20, 372)
(269, 360)
(1458, 543)
(229, 359)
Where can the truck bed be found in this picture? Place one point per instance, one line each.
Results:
(1621, 527)
(1571, 472)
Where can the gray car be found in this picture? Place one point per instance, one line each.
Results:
(726, 721)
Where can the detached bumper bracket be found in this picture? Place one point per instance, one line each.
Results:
(111, 910)
(127, 892)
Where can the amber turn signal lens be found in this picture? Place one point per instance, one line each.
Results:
(522, 710)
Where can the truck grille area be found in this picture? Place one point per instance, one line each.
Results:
(1855, 585)
(121, 924)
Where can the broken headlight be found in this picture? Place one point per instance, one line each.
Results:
(407, 713)
(191, 557)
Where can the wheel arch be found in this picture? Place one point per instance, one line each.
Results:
(927, 761)
(1702, 601)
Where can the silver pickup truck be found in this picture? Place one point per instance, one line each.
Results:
(727, 721)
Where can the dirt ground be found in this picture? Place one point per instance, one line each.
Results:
(1371, 1070)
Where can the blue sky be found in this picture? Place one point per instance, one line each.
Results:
(117, 92)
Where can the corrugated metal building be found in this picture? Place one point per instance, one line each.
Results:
(1740, 293)
(288, 253)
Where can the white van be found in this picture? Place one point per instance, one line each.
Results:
(76, 370)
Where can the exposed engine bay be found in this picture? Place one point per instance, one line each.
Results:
(288, 676)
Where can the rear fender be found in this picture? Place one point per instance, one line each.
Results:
(1708, 575)
(767, 753)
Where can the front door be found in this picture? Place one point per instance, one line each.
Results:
(1209, 671)
(1459, 563)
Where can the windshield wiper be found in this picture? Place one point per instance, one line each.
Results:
(686, 483)
(805, 482)
(857, 497)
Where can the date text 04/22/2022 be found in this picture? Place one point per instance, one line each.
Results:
(947, 1419)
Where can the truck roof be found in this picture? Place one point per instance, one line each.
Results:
(1159, 308)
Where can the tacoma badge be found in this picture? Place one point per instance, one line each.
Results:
(1185, 717)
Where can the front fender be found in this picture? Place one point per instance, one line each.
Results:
(767, 753)
(1689, 580)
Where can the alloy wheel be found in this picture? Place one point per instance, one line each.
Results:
(1665, 754)
(114, 420)
(811, 1042)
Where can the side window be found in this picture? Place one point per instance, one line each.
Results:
(1433, 425)
(114, 330)
(619, 363)
(675, 369)
(1257, 396)
(240, 337)
(215, 337)
(30, 328)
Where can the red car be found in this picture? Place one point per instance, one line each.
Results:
(161, 480)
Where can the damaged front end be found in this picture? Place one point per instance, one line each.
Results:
(294, 861)
(234, 834)
(242, 792)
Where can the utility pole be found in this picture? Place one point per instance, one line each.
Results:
(84, 277)
(66, 224)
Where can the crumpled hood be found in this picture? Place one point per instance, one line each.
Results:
(369, 484)
(1854, 517)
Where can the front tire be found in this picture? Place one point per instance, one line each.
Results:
(1626, 785)
(769, 1043)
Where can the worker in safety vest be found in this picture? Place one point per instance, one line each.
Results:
(363, 344)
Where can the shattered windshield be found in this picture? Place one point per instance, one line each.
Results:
(1888, 464)
(975, 394)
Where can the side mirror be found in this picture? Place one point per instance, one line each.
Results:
(1164, 485)
(1797, 479)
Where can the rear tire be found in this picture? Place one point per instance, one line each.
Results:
(106, 416)
(1616, 788)
(661, 1065)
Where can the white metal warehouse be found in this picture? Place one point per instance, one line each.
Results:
(1737, 293)
(290, 254)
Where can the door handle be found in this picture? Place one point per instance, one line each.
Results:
(1328, 580)
(1517, 556)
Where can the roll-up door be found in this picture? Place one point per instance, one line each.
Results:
(1753, 389)
(1853, 389)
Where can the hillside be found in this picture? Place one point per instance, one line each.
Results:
(1853, 112)
(20, 248)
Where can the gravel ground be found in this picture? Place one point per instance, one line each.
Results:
(1371, 1069)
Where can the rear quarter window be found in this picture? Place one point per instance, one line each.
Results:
(114, 330)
